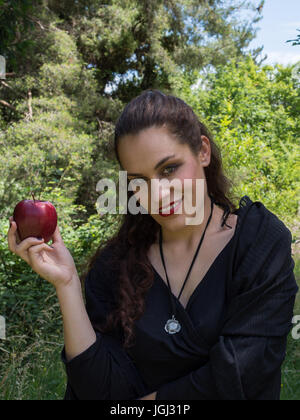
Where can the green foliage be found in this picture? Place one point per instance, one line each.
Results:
(14, 22)
(135, 44)
(253, 112)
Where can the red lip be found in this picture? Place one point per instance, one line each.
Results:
(170, 205)
(171, 211)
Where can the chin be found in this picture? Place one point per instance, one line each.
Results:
(172, 223)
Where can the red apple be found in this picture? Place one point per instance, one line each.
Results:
(35, 218)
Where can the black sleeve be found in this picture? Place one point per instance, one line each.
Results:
(104, 371)
(245, 363)
(240, 368)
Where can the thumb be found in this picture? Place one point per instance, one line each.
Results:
(56, 237)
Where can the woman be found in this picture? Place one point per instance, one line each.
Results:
(174, 310)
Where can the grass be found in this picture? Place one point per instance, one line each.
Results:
(36, 374)
(32, 371)
(30, 367)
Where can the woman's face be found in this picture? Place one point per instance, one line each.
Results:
(155, 154)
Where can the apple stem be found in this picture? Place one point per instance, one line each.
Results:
(32, 195)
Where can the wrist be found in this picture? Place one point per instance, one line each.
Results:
(73, 284)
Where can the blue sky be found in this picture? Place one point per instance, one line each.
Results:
(281, 18)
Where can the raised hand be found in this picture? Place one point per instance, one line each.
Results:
(52, 262)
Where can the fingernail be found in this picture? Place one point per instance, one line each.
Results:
(39, 239)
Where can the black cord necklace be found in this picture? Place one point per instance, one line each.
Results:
(172, 325)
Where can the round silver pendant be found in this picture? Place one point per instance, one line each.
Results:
(172, 326)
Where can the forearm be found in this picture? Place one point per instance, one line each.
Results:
(79, 334)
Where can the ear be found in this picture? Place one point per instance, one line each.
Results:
(205, 152)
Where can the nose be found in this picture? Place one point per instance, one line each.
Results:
(163, 193)
(159, 191)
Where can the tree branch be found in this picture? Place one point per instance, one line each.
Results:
(9, 87)
(8, 105)
(29, 113)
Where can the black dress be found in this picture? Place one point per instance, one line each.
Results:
(234, 328)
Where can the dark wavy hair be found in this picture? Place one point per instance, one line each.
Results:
(129, 246)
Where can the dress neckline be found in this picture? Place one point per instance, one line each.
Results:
(199, 285)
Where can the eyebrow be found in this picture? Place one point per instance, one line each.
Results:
(161, 162)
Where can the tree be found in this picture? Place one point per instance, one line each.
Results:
(253, 112)
(15, 22)
(136, 44)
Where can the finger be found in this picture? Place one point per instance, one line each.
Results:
(12, 236)
(34, 253)
(24, 246)
(56, 237)
(14, 225)
(36, 249)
